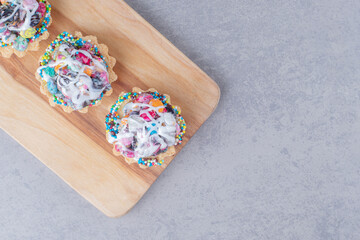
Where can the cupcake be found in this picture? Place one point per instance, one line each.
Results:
(23, 24)
(76, 72)
(144, 127)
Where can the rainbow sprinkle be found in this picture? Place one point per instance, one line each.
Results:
(113, 128)
(66, 37)
(39, 31)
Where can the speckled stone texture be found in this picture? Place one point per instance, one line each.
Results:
(280, 157)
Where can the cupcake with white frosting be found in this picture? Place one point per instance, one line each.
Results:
(76, 72)
(144, 127)
(23, 24)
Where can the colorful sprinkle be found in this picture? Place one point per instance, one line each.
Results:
(77, 42)
(35, 33)
(112, 127)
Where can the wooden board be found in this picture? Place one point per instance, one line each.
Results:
(74, 145)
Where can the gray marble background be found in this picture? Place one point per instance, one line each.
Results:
(279, 159)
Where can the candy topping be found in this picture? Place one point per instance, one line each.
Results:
(148, 127)
(74, 71)
(22, 22)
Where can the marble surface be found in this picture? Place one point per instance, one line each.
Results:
(280, 157)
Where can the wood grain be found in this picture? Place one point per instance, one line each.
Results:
(74, 145)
